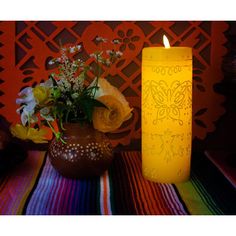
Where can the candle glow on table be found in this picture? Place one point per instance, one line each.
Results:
(166, 113)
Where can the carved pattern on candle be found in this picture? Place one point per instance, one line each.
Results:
(170, 70)
(169, 145)
(169, 100)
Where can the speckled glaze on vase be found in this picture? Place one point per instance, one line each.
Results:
(87, 152)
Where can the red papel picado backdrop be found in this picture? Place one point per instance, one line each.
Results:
(26, 48)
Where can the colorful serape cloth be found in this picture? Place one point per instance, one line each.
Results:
(35, 188)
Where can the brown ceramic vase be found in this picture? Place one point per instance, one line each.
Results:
(87, 152)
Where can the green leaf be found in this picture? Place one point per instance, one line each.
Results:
(56, 93)
(87, 107)
(98, 103)
(87, 104)
(88, 91)
(53, 80)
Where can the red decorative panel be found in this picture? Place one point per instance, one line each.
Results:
(26, 48)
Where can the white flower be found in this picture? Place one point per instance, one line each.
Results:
(60, 85)
(30, 106)
(101, 39)
(119, 53)
(33, 118)
(108, 62)
(25, 91)
(24, 117)
(113, 53)
(64, 84)
(45, 113)
(75, 95)
(68, 103)
(51, 62)
(109, 52)
(67, 85)
(78, 85)
(74, 48)
(59, 59)
(27, 114)
(74, 66)
(97, 56)
(19, 109)
(28, 99)
(48, 83)
(78, 47)
(81, 64)
(116, 41)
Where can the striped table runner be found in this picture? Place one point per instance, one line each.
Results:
(16, 187)
(35, 188)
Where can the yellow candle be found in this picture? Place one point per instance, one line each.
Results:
(166, 113)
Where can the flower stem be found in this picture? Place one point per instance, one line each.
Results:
(98, 75)
(53, 130)
(57, 134)
(61, 124)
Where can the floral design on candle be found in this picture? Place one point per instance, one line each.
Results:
(169, 100)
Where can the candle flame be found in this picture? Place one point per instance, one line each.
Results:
(166, 42)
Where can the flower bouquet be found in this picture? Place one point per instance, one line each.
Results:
(67, 97)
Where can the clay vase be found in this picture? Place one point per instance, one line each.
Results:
(87, 152)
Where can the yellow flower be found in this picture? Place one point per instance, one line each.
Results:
(111, 118)
(105, 88)
(41, 94)
(26, 133)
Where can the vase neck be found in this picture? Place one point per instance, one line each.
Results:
(75, 128)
